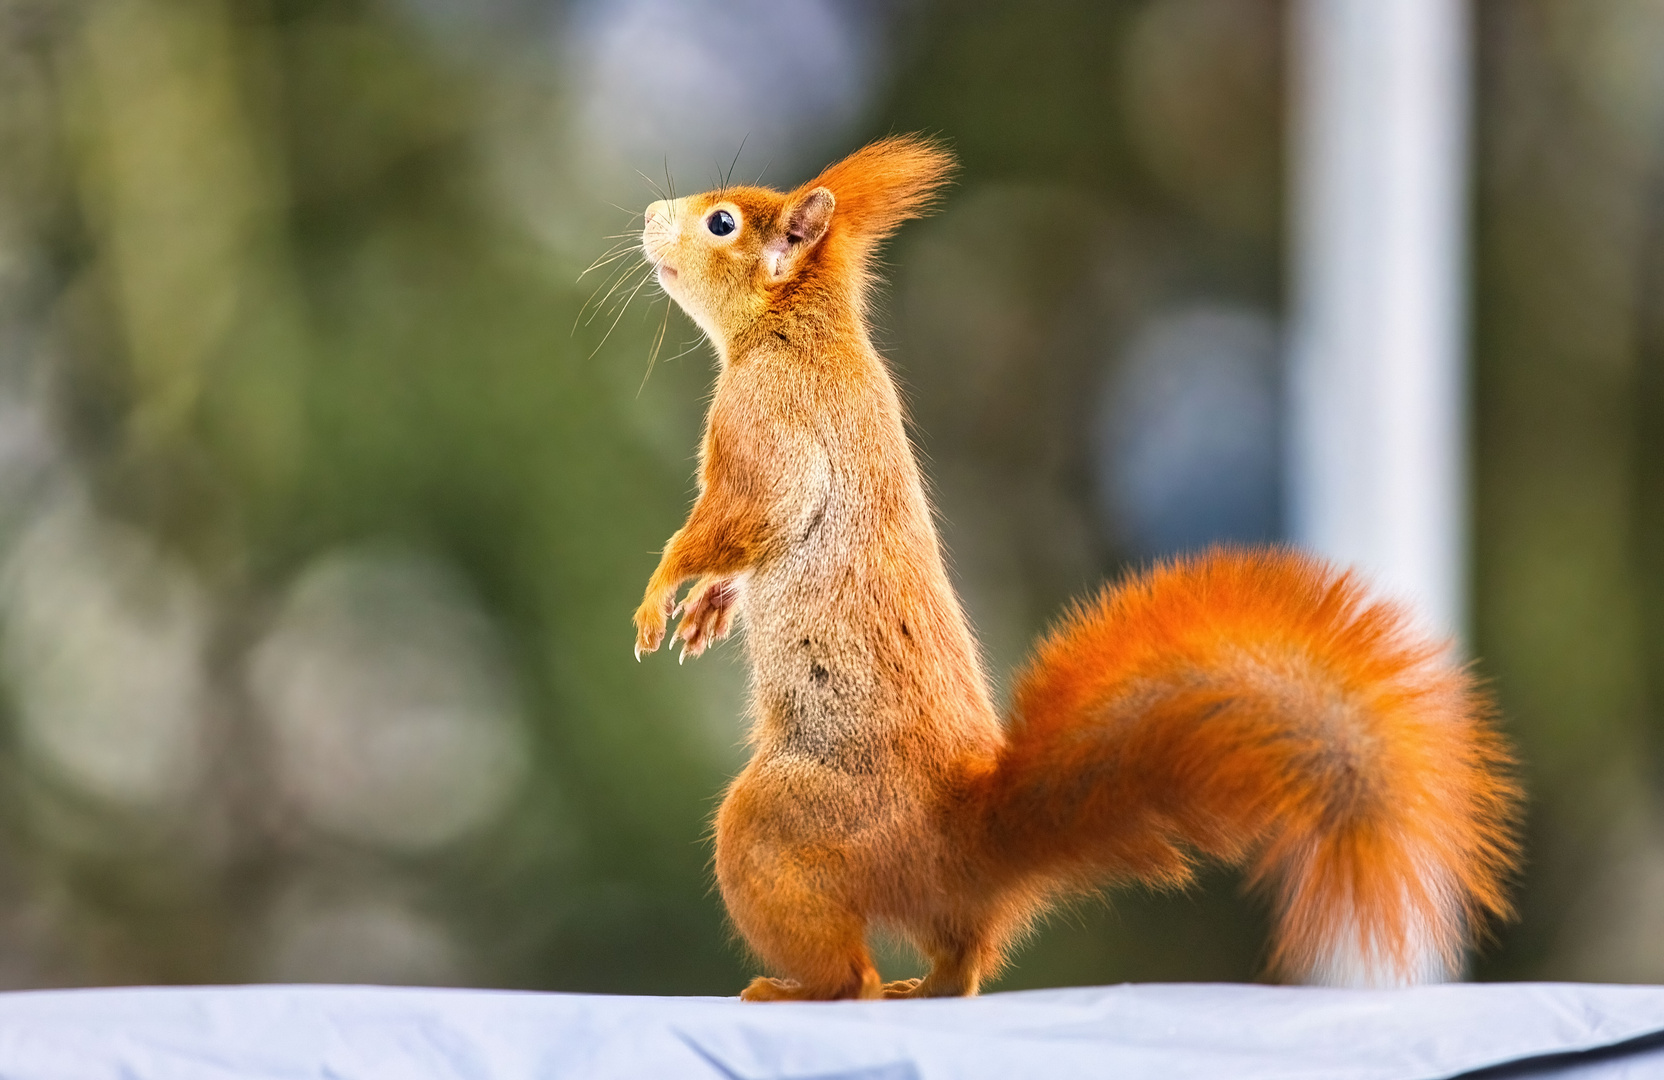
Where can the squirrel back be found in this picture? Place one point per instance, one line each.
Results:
(1249, 706)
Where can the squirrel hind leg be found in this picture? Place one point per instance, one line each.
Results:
(829, 963)
(950, 978)
(817, 943)
(859, 979)
(959, 960)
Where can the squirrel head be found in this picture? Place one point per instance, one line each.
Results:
(732, 256)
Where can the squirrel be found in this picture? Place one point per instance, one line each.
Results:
(1253, 706)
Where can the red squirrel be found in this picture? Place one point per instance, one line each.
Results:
(1252, 706)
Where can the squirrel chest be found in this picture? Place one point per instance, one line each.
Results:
(845, 627)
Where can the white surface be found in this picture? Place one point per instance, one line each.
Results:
(1376, 390)
(1126, 1032)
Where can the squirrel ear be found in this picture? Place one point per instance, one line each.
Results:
(802, 224)
(884, 184)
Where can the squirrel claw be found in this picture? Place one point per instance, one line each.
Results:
(638, 652)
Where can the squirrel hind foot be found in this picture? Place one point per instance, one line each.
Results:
(764, 988)
(902, 988)
(946, 982)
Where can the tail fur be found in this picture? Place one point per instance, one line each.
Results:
(1257, 707)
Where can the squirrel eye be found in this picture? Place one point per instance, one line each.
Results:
(720, 223)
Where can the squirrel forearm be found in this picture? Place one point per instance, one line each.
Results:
(724, 535)
(741, 516)
(711, 542)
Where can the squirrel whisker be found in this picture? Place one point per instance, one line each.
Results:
(622, 276)
(613, 277)
(622, 307)
(658, 342)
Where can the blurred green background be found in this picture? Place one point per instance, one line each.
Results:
(322, 511)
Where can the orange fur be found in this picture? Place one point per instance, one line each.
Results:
(1256, 705)
(1248, 706)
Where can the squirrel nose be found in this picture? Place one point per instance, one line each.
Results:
(658, 213)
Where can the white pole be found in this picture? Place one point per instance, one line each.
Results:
(1377, 454)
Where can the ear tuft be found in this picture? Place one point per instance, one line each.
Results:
(884, 184)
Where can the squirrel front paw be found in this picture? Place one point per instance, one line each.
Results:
(651, 618)
(707, 614)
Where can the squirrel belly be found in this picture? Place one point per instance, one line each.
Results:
(1254, 707)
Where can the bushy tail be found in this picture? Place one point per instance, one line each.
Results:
(1257, 707)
